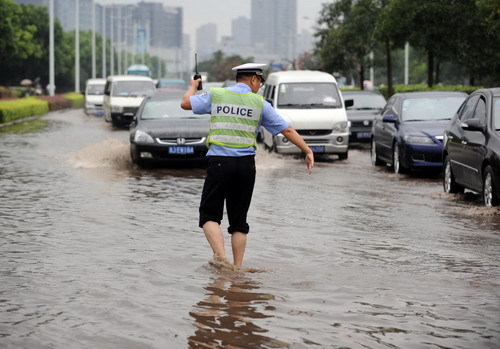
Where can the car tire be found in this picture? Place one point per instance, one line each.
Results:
(396, 159)
(344, 156)
(489, 188)
(136, 159)
(449, 184)
(374, 156)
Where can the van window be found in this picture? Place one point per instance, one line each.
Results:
(95, 89)
(309, 95)
(133, 88)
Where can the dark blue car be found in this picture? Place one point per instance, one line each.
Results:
(408, 133)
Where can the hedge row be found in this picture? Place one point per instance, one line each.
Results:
(420, 88)
(11, 110)
(22, 108)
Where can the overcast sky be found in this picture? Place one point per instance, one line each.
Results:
(222, 12)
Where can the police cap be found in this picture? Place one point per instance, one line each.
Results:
(250, 69)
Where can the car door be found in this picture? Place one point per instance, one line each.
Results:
(456, 140)
(474, 147)
(380, 131)
(389, 129)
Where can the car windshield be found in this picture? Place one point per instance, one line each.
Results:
(133, 88)
(496, 113)
(176, 84)
(430, 108)
(95, 89)
(167, 109)
(308, 95)
(366, 101)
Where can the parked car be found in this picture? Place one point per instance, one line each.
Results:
(310, 101)
(471, 149)
(123, 94)
(94, 96)
(162, 131)
(408, 133)
(366, 104)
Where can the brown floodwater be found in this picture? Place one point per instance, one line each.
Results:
(95, 253)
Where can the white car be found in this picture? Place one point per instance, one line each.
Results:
(312, 104)
(94, 96)
(123, 94)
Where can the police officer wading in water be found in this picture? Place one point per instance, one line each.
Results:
(236, 114)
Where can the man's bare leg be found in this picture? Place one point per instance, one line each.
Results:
(238, 243)
(213, 233)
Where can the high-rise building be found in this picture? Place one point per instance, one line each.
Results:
(206, 40)
(240, 31)
(274, 26)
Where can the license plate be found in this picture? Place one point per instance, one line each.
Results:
(181, 150)
(317, 149)
(364, 134)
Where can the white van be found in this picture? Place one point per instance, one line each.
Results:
(311, 103)
(123, 94)
(94, 96)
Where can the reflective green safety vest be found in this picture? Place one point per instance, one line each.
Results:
(234, 118)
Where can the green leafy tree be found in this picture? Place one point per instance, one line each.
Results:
(346, 35)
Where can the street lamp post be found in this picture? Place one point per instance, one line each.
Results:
(103, 41)
(51, 87)
(77, 46)
(93, 39)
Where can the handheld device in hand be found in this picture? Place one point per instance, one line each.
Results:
(197, 75)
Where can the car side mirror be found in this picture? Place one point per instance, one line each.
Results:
(390, 119)
(473, 125)
(106, 93)
(349, 103)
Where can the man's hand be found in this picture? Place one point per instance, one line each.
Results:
(309, 162)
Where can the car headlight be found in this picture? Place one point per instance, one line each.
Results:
(142, 137)
(418, 139)
(116, 109)
(340, 127)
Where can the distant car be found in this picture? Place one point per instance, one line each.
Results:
(172, 84)
(471, 149)
(366, 104)
(408, 133)
(123, 94)
(94, 96)
(162, 131)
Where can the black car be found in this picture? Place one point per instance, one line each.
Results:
(163, 132)
(366, 104)
(471, 148)
(408, 133)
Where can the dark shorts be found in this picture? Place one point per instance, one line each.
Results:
(229, 179)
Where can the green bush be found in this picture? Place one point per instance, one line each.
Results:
(420, 88)
(22, 108)
(77, 99)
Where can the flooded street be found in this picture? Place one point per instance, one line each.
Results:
(95, 253)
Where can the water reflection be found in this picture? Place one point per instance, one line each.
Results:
(227, 317)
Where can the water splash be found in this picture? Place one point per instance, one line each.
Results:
(111, 153)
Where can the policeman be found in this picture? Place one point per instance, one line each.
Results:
(236, 112)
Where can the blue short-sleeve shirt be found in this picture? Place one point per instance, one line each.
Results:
(270, 120)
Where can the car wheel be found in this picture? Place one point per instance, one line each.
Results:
(449, 184)
(489, 193)
(396, 160)
(343, 156)
(374, 156)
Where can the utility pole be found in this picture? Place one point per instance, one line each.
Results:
(93, 39)
(103, 41)
(407, 63)
(51, 88)
(77, 46)
(111, 40)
